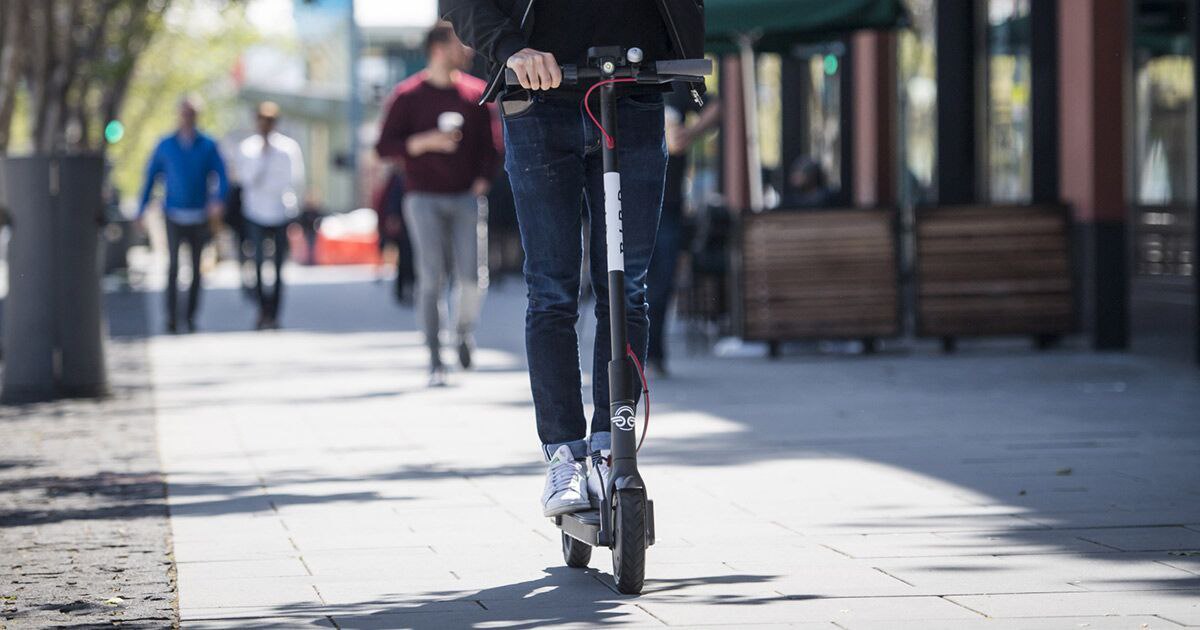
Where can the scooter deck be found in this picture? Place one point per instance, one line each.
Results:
(585, 526)
(582, 526)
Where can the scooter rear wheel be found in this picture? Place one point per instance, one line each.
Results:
(629, 550)
(576, 554)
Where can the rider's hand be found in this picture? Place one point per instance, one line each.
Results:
(433, 141)
(216, 209)
(481, 187)
(536, 70)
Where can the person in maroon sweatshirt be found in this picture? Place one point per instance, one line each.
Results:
(435, 125)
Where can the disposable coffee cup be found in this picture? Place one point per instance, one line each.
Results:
(451, 122)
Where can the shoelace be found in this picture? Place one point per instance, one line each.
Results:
(562, 474)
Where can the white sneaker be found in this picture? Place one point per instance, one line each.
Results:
(597, 481)
(566, 489)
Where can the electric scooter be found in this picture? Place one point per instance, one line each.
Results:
(625, 521)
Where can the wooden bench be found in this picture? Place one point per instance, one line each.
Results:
(995, 270)
(819, 274)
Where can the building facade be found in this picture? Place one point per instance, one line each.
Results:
(1085, 104)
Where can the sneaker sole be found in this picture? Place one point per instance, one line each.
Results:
(567, 508)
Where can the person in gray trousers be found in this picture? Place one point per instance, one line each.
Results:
(447, 142)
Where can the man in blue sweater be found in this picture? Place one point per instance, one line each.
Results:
(195, 182)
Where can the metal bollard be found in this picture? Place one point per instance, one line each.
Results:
(53, 327)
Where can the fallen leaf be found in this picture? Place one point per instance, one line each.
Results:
(115, 601)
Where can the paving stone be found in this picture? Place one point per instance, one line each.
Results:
(272, 567)
(233, 592)
(1019, 542)
(1031, 574)
(577, 617)
(832, 578)
(232, 615)
(1181, 607)
(269, 623)
(1143, 538)
(777, 609)
(1024, 623)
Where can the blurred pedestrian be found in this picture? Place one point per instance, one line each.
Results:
(807, 185)
(389, 204)
(681, 134)
(196, 186)
(272, 171)
(310, 221)
(237, 226)
(435, 125)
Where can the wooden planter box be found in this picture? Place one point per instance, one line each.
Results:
(995, 270)
(819, 274)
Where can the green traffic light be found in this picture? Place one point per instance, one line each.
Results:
(831, 65)
(114, 131)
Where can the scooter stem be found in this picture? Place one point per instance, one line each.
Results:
(622, 395)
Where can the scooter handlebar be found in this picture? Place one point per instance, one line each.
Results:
(692, 70)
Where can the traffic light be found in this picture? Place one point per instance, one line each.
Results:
(114, 131)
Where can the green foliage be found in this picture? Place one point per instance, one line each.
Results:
(196, 52)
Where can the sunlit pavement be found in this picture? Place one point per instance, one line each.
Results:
(314, 480)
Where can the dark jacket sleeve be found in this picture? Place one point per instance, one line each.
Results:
(153, 169)
(481, 25)
(394, 134)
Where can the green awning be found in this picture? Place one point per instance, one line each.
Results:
(1162, 27)
(781, 24)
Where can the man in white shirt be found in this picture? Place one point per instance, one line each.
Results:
(272, 171)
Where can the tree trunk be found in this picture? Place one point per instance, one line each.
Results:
(40, 68)
(13, 18)
(76, 57)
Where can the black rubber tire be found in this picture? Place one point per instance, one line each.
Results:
(629, 535)
(576, 554)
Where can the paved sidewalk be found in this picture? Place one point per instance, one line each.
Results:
(315, 481)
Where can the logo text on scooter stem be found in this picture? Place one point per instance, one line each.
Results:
(623, 418)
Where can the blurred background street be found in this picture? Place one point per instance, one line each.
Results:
(924, 326)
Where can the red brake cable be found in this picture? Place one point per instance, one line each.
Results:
(608, 140)
(645, 390)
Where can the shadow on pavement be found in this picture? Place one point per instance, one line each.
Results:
(562, 596)
(1032, 442)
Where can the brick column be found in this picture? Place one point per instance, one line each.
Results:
(1093, 60)
(733, 136)
(874, 137)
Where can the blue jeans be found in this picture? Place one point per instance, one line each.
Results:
(554, 163)
(661, 281)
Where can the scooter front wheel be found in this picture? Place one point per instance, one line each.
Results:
(576, 554)
(629, 537)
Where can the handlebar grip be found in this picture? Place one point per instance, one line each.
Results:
(570, 74)
(684, 67)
